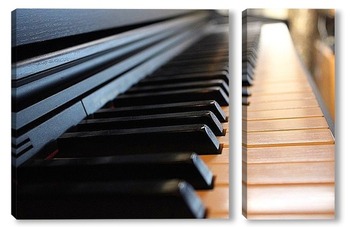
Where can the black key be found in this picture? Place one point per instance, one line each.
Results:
(210, 105)
(201, 55)
(212, 48)
(250, 51)
(117, 199)
(246, 80)
(205, 68)
(213, 45)
(176, 86)
(197, 61)
(246, 92)
(217, 75)
(250, 57)
(185, 166)
(143, 121)
(196, 138)
(248, 69)
(183, 95)
(245, 101)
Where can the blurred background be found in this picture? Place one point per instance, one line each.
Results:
(313, 34)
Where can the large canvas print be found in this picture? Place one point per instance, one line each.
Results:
(120, 113)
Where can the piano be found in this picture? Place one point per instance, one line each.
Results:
(288, 140)
(120, 114)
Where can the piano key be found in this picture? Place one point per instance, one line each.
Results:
(278, 88)
(248, 69)
(217, 159)
(201, 47)
(246, 92)
(212, 38)
(213, 48)
(195, 138)
(142, 121)
(204, 68)
(211, 42)
(185, 166)
(218, 47)
(183, 95)
(290, 173)
(221, 172)
(287, 154)
(224, 140)
(298, 199)
(208, 45)
(294, 77)
(116, 199)
(225, 126)
(279, 105)
(204, 76)
(247, 80)
(176, 86)
(249, 57)
(284, 124)
(212, 93)
(201, 54)
(197, 61)
(226, 110)
(245, 101)
(210, 105)
(283, 114)
(218, 196)
(264, 98)
(285, 138)
(250, 53)
(291, 216)
(190, 54)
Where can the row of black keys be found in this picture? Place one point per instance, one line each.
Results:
(250, 48)
(191, 119)
(132, 160)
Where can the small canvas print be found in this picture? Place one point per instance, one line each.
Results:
(288, 102)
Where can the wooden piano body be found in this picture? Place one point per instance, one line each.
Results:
(288, 146)
(68, 64)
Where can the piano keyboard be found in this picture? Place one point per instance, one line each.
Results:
(158, 149)
(288, 145)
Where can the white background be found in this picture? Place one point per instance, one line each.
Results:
(235, 7)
